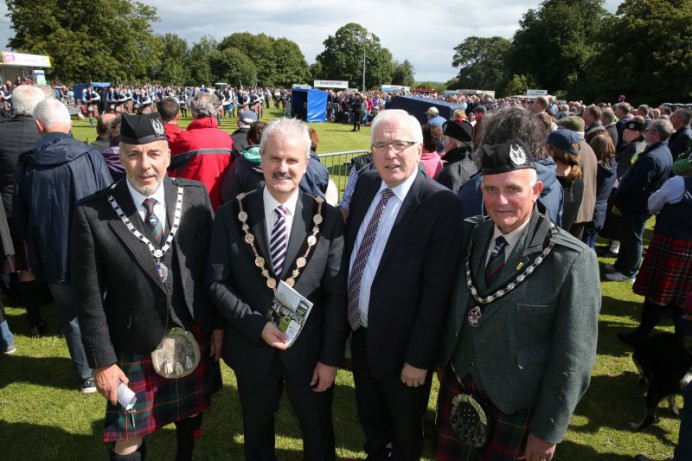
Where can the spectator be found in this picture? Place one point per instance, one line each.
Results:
(245, 173)
(112, 153)
(604, 149)
(563, 147)
(202, 152)
(432, 138)
(679, 142)
(169, 109)
(647, 175)
(608, 122)
(102, 124)
(458, 163)
(239, 136)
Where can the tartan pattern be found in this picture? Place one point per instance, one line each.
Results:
(151, 220)
(507, 439)
(361, 259)
(666, 273)
(161, 401)
(496, 261)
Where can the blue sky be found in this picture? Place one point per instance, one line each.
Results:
(425, 33)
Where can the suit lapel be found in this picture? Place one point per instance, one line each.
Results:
(482, 235)
(137, 249)
(171, 197)
(301, 220)
(356, 218)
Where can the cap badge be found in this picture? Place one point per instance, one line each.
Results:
(157, 127)
(517, 154)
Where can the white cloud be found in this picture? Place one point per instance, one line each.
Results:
(425, 33)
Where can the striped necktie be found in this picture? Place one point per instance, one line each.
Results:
(496, 261)
(354, 318)
(278, 241)
(151, 220)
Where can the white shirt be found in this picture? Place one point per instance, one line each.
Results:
(159, 208)
(672, 191)
(512, 238)
(270, 216)
(384, 229)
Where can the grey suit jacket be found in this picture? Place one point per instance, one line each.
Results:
(534, 348)
(121, 302)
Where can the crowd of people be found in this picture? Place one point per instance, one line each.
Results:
(462, 250)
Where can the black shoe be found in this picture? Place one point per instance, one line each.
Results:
(38, 331)
(633, 338)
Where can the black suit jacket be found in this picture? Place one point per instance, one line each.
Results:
(121, 302)
(241, 296)
(409, 298)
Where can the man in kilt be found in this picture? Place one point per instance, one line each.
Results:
(138, 260)
(520, 340)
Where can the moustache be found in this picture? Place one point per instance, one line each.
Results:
(279, 175)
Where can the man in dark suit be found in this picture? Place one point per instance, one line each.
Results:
(138, 262)
(401, 241)
(273, 235)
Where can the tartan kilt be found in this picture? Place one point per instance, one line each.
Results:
(666, 273)
(507, 440)
(161, 401)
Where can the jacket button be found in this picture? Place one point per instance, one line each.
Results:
(471, 364)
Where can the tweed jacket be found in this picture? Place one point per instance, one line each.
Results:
(535, 347)
(122, 304)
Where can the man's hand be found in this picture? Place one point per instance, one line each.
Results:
(107, 379)
(323, 377)
(412, 376)
(274, 337)
(215, 344)
(538, 450)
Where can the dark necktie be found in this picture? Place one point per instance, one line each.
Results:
(496, 261)
(151, 220)
(278, 242)
(362, 258)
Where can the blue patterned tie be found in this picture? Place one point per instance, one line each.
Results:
(496, 261)
(151, 220)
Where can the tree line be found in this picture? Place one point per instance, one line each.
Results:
(575, 49)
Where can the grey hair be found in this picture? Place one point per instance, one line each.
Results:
(25, 98)
(663, 127)
(52, 113)
(608, 114)
(409, 121)
(288, 127)
(204, 105)
(50, 94)
(504, 124)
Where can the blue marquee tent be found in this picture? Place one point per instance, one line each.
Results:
(309, 105)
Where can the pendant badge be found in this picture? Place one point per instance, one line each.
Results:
(474, 316)
(162, 270)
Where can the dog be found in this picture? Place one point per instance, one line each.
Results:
(666, 367)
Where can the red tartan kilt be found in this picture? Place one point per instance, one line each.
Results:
(509, 432)
(666, 273)
(161, 401)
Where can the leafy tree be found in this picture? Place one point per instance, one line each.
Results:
(555, 41)
(173, 67)
(88, 39)
(482, 63)
(198, 60)
(232, 66)
(645, 52)
(403, 73)
(342, 58)
(291, 66)
(259, 49)
(519, 84)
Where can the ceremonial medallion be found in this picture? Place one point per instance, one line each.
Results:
(271, 283)
(162, 270)
(158, 253)
(249, 238)
(317, 219)
(290, 282)
(242, 216)
(301, 262)
(259, 261)
(312, 240)
(474, 316)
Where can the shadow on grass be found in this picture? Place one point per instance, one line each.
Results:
(56, 372)
(22, 441)
(578, 452)
(625, 404)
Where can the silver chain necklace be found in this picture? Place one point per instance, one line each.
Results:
(155, 252)
(476, 312)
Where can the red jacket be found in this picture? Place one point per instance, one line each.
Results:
(203, 153)
(172, 132)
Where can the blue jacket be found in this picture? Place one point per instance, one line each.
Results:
(551, 198)
(56, 172)
(605, 180)
(645, 176)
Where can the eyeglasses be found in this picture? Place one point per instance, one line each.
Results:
(397, 146)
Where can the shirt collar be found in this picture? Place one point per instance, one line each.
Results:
(400, 191)
(512, 237)
(138, 198)
(271, 203)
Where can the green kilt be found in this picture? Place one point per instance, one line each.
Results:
(161, 401)
(507, 440)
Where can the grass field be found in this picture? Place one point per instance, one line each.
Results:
(44, 417)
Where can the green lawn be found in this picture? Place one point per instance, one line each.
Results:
(44, 417)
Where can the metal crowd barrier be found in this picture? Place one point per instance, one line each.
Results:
(338, 164)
